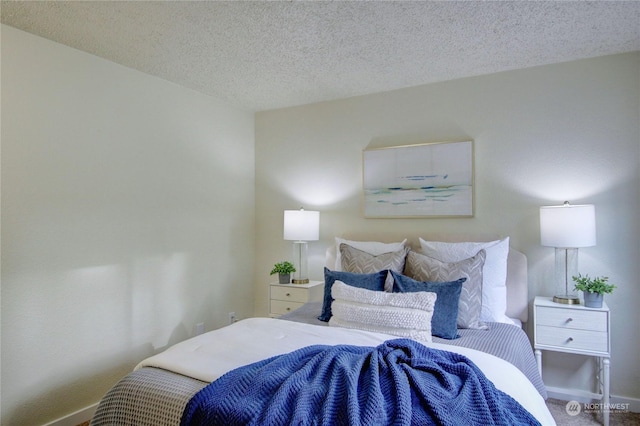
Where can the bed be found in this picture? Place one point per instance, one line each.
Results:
(161, 387)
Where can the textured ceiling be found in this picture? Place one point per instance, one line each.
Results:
(267, 55)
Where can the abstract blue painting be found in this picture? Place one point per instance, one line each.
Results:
(425, 180)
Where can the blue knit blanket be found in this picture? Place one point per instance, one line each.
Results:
(400, 382)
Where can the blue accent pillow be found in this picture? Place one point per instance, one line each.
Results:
(373, 281)
(445, 313)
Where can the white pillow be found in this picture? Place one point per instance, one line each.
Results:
(494, 271)
(399, 314)
(372, 247)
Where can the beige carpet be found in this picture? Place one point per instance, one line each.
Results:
(559, 413)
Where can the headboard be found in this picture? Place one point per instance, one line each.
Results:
(517, 287)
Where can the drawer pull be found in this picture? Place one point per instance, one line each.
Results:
(288, 309)
(569, 319)
(570, 339)
(288, 294)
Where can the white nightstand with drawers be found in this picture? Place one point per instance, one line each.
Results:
(284, 298)
(578, 330)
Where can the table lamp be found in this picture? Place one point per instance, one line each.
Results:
(567, 228)
(301, 226)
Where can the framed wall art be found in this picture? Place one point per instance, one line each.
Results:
(413, 181)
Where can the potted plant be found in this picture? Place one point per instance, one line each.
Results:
(593, 289)
(284, 270)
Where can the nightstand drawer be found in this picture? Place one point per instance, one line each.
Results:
(569, 339)
(281, 307)
(572, 318)
(290, 294)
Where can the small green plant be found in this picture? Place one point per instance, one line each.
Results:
(596, 285)
(284, 267)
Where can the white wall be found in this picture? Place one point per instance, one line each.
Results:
(127, 218)
(542, 135)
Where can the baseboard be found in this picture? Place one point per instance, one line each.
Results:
(588, 397)
(76, 418)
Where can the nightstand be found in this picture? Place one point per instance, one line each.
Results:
(285, 298)
(575, 329)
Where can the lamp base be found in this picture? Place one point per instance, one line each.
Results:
(300, 281)
(567, 299)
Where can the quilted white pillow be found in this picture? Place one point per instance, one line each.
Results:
(399, 314)
(494, 271)
(372, 247)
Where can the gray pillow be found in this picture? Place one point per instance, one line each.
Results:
(421, 267)
(361, 262)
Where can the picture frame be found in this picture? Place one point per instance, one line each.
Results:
(425, 180)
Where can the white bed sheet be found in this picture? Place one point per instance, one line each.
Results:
(210, 355)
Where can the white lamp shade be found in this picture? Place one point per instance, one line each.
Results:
(568, 226)
(301, 225)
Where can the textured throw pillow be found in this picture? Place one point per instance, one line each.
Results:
(371, 247)
(361, 262)
(405, 315)
(369, 281)
(445, 314)
(421, 267)
(494, 271)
